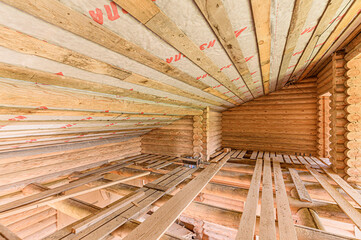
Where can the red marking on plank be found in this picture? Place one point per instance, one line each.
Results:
(113, 7)
(42, 107)
(60, 74)
(97, 16)
(253, 72)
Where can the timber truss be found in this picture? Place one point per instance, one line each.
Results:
(240, 193)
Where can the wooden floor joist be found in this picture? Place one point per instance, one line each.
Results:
(155, 226)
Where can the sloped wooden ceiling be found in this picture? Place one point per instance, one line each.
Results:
(98, 68)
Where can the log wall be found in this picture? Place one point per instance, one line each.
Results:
(284, 121)
(353, 115)
(338, 114)
(21, 167)
(175, 139)
(212, 132)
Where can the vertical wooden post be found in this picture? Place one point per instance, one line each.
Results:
(197, 136)
(338, 114)
(205, 128)
(353, 126)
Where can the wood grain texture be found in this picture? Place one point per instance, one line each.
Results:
(217, 17)
(261, 10)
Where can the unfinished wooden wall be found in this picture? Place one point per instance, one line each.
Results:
(212, 132)
(338, 114)
(283, 121)
(353, 113)
(22, 167)
(175, 139)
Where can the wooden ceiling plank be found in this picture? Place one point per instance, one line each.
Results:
(8, 235)
(41, 77)
(217, 17)
(261, 10)
(47, 97)
(58, 14)
(158, 223)
(322, 25)
(26, 44)
(299, 17)
(346, 20)
(166, 29)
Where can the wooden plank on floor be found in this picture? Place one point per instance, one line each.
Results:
(260, 155)
(285, 222)
(267, 228)
(254, 155)
(287, 159)
(235, 154)
(247, 225)
(107, 211)
(157, 224)
(300, 186)
(241, 155)
(355, 195)
(272, 154)
(294, 159)
(302, 160)
(346, 207)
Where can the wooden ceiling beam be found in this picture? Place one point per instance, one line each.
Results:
(321, 27)
(299, 16)
(41, 77)
(26, 44)
(166, 29)
(217, 17)
(261, 11)
(58, 14)
(23, 94)
(346, 20)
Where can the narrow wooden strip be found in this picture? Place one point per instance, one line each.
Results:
(261, 17)
(302, 160)
(260, 155)
(48, 193)
(166, 29)
(300, 187)
(285, 222)
(254, 155)
(70, 195)
(235, 154)
(346, 207)
(247, 225)
(156, 225)
(272, 154)
(267, 228)
(294, 159)
(299, 17)
(241, 155)
(287, 159)
(356, 196)
(107, 211)
(217, 17)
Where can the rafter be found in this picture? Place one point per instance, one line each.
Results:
(217, 17)
(321, 27)
(58, 14)
(346, 20)
(48, 97)
(165, 28)
(261, 16)
(299, 16)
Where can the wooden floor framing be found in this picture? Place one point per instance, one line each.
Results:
(269, 209)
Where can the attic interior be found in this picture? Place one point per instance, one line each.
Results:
(180, 119)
